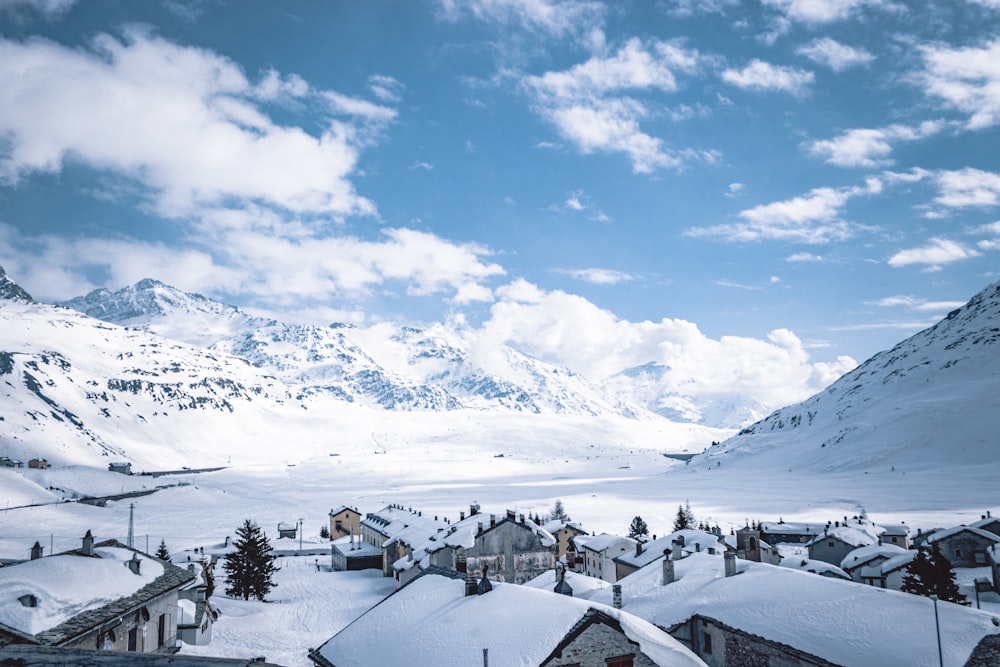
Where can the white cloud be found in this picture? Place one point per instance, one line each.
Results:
(569, 330)
(804, 257)
(966, 79)
(992, 4)
(182, 122)
(424, 166)
(967, 187)
(695, 7)
(819, 11)
(598, 276)
(386, 88)
(914, 303)
(574, 204)
(557, 17)
(593, 106)
(354, 106)
(48, 8)
(934, 253)
(759, 75)
(835, 55)
(810, 218)
(734, 189)
(863, 147)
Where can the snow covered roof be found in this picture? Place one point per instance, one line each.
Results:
(948, 532)
(583, 586)
(398, 523)
(353, 547)
(790, 528)
(864, 555)
(843, 622)
(72, 592)
(603, 542)
(985, 521)
(554, 527)
(343, 508)
(897, 562)
(432, 622)
(694, 541)
(813, 566)
(857, 533)
(900, 529)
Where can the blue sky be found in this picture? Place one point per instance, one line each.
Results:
(786, 184)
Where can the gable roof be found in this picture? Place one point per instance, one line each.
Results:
(432, 622)
(864, 555)
(949, 532)
(856, 534)
(76, 593)
(603, 542)
(694, 540)
(397, 523)
(843, 622)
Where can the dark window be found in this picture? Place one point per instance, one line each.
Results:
(620, 661)
(979, 557)
(958, 553)
(830, 544)
(161, 630)
(706, 642)
(133, 639)
(339, 525)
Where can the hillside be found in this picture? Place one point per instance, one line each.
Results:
(933, 400)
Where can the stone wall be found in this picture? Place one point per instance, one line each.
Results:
(597, 643)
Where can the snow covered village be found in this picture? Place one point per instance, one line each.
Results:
(499, 333)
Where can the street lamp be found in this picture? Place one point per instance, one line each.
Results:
(937, 626)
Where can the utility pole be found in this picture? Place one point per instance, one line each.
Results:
(131, 526)
(937, 626)
(300, 534)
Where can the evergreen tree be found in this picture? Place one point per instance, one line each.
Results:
(689, 514)
(638, 528)
(945, 586)
(324, 533)
(681, 520)
(919, 576)
(558, 512)
(161, 551)
(250, 566)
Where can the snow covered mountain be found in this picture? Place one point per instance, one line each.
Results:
(931, 401)
(11, 291)
(398, 368)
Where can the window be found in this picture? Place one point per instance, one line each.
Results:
(830, 544)
(979, 557)
(706, 642)
(133, 639)
(620, 661)
(958, 553)
(161, 630)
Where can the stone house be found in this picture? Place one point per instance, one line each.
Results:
(988, 522)
(143, 620)
(888, 573)
(38, 464)
(896, 535)
(513, 549)
(395, 529)
(840, 539)
(344, 521)
(121, 467)
(870, 556)
(677, 545)
(964, 546)
(503, 625)
(750, 545)
(564, 532)
(788, 532)
(599, 553)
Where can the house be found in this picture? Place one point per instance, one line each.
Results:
(749, 545)
(121, 467)
(734, 612)
(564, 532)
(870, 556)
(964, 546)
(508, 625)
(840, 539)
(100, 596)
(289, 530)
(195, 614)
(896, 534)
(677, 545)
(513, 548)
(822, 568)
(344, 521)
(7, 462)
(599, 553)
(351, 553)
(788, 532)
(888, 573)
(395, 529)
(988, 522)
(38, 464)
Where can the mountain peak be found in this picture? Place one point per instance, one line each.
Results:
(10, 290)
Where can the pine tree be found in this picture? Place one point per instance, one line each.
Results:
(250, 567)
(945, 586)
(324, 533)
(681, 520)
(638, 528)
(689, 514)
(161, 551)
(919, 575)
(558, 512)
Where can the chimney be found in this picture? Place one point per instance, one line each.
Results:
(697, 547)
(511, 515)
(473, 509)
(470, 583)
(676, 550)
(668, 568)
(711, 551)
(461, 516)
(462, 564)
(36, 551)
(480, 528)
(730, 562)
(638, 548)
(134, 564)
(88, 544)
(493, 520)
(409, 552)
(521, 517)
(616, 594)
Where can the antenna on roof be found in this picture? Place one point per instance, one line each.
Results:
(131, 525)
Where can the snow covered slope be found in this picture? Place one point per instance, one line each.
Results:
(933, 400)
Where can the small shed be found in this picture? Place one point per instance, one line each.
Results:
(287, 530)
